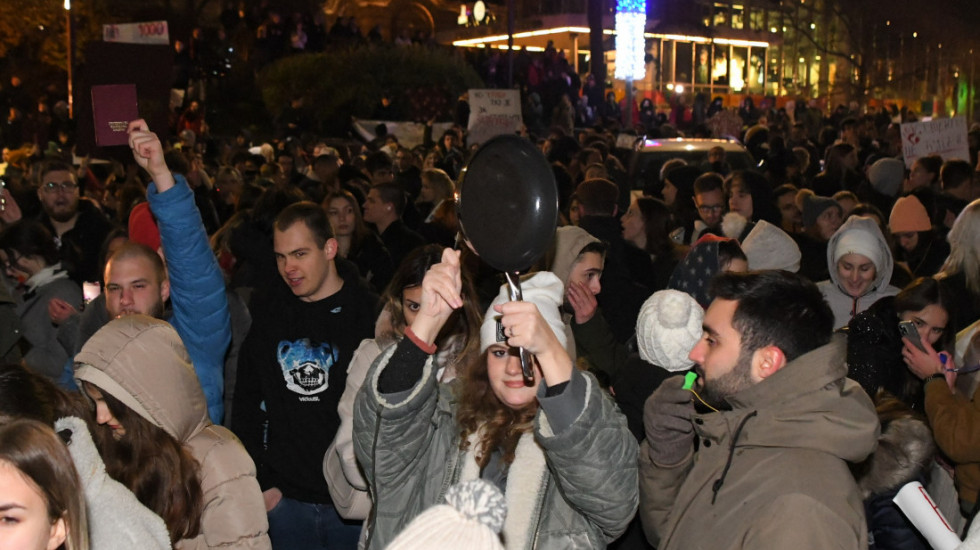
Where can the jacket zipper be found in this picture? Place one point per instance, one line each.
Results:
(541, 500)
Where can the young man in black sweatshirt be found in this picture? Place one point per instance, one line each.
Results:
(291, 374)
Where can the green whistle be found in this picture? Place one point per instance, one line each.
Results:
(689, 379)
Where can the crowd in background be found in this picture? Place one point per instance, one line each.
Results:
(275, 260)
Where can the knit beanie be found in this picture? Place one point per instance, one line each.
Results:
(143, 227)
(545, 291)
(694, 273)
(769, 247)
(667, 329)
(909, 214)
(886, 176)
(814, 205)
(858, 241)
(471, 520)
(569, 242)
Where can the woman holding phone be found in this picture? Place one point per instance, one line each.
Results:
(880, 356)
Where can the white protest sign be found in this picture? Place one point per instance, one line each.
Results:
(493, 112)
(150, 32)
(945, 137)
(922, 511)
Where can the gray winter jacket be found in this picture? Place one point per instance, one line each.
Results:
(572, 489)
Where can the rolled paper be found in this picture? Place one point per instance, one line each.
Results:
(919, 507)
(689, 379)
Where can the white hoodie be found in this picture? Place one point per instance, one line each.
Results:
(843, 305)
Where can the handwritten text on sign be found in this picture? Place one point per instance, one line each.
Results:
(945, 137)
(493, 112)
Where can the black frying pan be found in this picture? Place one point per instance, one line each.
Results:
(508, 209)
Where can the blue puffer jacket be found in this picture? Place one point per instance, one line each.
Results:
(197, 290)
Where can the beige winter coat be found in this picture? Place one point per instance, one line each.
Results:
(142, 362)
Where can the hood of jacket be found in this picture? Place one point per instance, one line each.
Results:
(866, 231)
(142, 362)
(808, 404)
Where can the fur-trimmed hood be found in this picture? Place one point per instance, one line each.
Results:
(905, 448)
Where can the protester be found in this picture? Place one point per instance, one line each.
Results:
(647, 226)
(116, 519)
(960, 275)
(30, 259)
(291, 376)
(860, 265)
(43, 507)
(153, 431)
(413, 437)
(402, 302)
(771, 469)
(355, 241)
(822, 217)
(875, 348)
(918, 247)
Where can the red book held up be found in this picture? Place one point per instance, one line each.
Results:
(113, 106)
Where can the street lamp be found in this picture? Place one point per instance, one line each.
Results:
(68, 34)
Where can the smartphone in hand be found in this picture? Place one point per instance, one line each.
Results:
(908, 330)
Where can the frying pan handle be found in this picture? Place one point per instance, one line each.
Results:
(514, 288)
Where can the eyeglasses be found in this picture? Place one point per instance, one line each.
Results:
(53, 187)
(709, 208)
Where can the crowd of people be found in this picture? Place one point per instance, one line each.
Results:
(289, 345)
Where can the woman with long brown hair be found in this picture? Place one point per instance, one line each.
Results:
(355, 241)
(555, 444)
(402, 301)
(153, 430)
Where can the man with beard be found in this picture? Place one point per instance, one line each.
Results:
(78, 225)
(138, 281)
(770, 470)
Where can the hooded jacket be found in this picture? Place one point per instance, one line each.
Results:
(842, 304)
(771, 472)
(142, 362)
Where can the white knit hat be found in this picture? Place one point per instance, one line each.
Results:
(471, 521)
(769, 247)
(860, 242)
(668, 328)
(545, 290)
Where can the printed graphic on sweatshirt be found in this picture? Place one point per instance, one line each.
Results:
(305, 367)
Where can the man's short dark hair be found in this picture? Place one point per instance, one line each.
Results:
(848, 123)
(598, 196)
(391, 193)
(955, 173)
(708, 182)
(312, 215)
(54, 166)
(377, 161)
(776, 308)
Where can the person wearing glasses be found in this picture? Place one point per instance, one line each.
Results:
(709, 198)
(30, 260)
(78, 225)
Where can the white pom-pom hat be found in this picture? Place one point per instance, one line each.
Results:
(667, 329)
